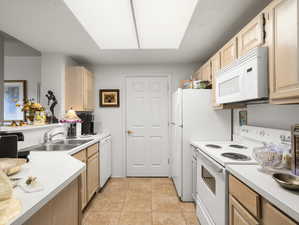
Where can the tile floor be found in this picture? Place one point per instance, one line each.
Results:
(139, 201)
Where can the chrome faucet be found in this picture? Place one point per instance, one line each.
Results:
(50, 134)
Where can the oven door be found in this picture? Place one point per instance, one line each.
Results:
(212, 190)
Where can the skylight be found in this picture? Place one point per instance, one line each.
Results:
(134, 24)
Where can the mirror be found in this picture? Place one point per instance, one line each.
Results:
(22, 76)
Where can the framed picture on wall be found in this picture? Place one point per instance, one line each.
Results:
(109, 98)
(15, 91)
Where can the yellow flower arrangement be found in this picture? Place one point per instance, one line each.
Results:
(30, 108)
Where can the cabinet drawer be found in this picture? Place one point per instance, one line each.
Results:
(238, 215)
(248, 198)
(80, 156)
(272, 216)
(92, 150)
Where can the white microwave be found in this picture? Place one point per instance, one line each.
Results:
(246, 79)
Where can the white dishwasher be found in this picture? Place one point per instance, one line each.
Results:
(105, 160)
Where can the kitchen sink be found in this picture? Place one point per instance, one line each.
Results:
(72, 142)
(53, 147)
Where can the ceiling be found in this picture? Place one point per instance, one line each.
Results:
(50, 26)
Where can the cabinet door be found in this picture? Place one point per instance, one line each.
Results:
(65, 206)
(82, 157)
(206, 71)
(272, 216)
(283, 51)
(239, 215)
(198, 75)
(88, 91)
(229, 53)
(215, 67)
(251, 36)
(92, 175)
(74, 96)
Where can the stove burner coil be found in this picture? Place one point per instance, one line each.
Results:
(213, 146)
(238, 146)
(236, 156)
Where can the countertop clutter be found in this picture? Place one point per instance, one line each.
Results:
(54, 171)
(266, 186)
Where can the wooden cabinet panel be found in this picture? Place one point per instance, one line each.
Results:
(92, 175)
(197, 75)
(229, 53)
(91, 150)
(251, 36)
(206, 71)
(79, 89)
(248, 198)
(238, 215)
(283, 51)
(74, 96)
(272, 216)
(63, 209)
(82, 157)
(66, 207)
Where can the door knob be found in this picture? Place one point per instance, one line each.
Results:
(130, 132)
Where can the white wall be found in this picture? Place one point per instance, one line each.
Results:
(53, 78)
(24, 68)
(113, 77)
(270, 116)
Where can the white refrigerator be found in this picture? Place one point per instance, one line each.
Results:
(193, 118)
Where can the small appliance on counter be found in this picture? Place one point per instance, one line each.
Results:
(295, 149)
(73, 123)
(87, 125)
(9, 144)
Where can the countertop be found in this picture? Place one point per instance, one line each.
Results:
(287, 201)
(54, 170)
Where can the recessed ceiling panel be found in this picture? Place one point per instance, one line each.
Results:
(162, 24)
(109, 22)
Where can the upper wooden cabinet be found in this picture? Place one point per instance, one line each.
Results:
(198, 75)
(229, 53)
(282, 16)
(79, 89)
(251, 36)
(206, 71)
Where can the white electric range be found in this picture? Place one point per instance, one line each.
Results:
(210, 175)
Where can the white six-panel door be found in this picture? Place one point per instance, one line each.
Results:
(147, 126)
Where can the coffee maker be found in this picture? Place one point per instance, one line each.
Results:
(9, 145)
(87, 124)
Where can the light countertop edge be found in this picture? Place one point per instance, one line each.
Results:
(285, 200)
(41, 201)
(30, 127)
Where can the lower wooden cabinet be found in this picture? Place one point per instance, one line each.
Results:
(272, 216)
(82, 157)
(63, 209)
(92, 175)
(247, 207)
(238, 215)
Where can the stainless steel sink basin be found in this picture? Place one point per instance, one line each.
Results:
(53, 147)
(72, 142)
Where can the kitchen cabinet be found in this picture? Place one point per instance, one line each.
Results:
(238, 215)
(272, 216)
(79, 89)
(229, 53)
(251, 36)
(82, 157)
(63, 209)
(282, 16)
(198, 75)
(247, 207)
(206, 71)
(92, 172)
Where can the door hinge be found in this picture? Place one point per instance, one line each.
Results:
(168, 161)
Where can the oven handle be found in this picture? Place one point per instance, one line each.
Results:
(210, 162)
